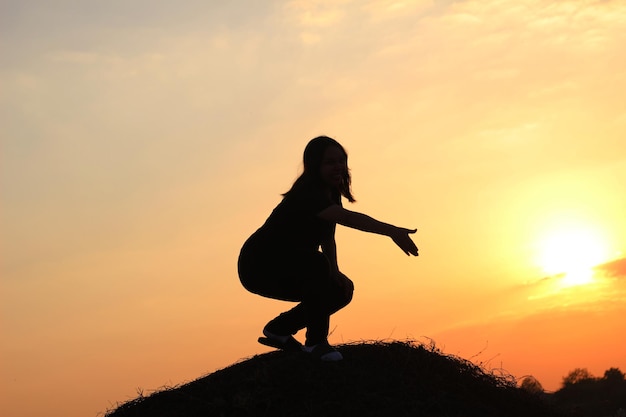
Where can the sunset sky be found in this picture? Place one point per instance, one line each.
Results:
(143, 141)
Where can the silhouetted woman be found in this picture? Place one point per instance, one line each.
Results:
(282, 260)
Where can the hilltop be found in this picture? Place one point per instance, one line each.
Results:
(374, 379)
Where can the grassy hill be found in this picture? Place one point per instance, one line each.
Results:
(374, 379)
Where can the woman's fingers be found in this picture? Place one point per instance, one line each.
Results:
(410, 246)
(406, 244)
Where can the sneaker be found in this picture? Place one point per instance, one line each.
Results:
(287, 343)
(324, 352)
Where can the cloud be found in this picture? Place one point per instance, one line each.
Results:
(317, 13)
(614, 269)
(380, 10)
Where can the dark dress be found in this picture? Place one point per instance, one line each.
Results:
(281, 260)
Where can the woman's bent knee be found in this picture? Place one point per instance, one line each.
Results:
(343, 293)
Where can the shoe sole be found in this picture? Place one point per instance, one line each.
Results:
(281, 346)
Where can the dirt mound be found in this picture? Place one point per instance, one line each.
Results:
(374, 379)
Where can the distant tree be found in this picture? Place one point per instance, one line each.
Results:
(583, 395)
(532, 385)
(576, 376)
(613, 375)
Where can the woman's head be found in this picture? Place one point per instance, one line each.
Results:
(326, 162)
(314, 152)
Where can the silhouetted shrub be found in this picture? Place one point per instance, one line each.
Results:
(532, 385)
(577, 376)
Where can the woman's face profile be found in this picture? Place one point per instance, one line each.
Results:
(334, 166)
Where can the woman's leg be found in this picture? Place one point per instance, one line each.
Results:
(321, 295)
(303, 277)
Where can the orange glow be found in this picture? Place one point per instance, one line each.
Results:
(135, 162)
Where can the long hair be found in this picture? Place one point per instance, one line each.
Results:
(312, 160)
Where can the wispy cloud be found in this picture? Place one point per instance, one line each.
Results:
(615, 269)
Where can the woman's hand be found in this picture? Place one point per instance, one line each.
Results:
(401, 238)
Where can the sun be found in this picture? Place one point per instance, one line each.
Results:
(572, 252)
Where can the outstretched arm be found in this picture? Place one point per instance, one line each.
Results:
(360, 221)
